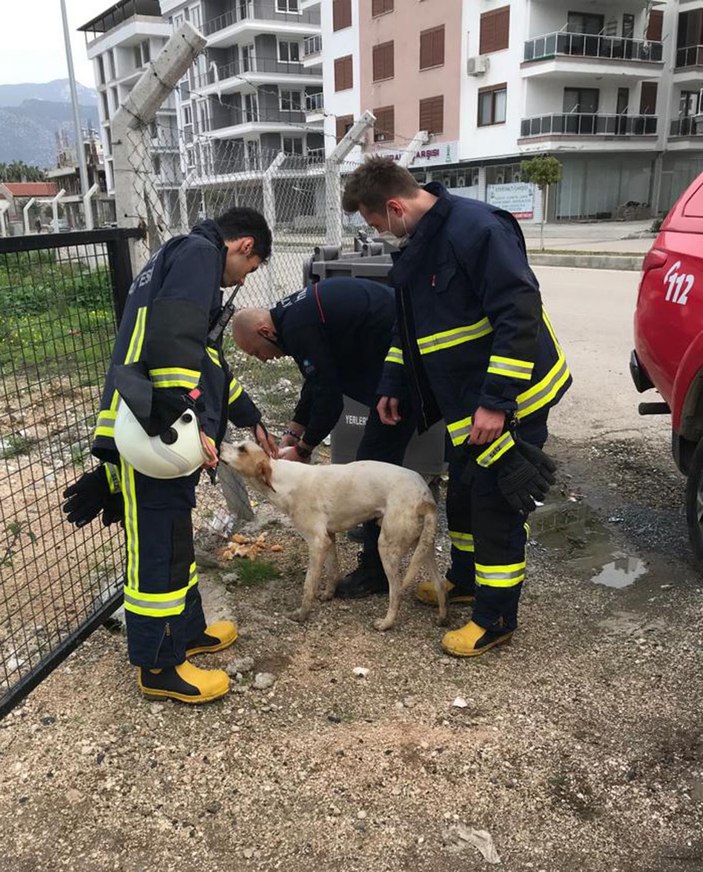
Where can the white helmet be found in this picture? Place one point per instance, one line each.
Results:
(174, 454)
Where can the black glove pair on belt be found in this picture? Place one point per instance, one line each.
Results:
(89, 496)
(524, 474)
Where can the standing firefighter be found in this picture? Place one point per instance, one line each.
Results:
(476, 348)
(167, 370)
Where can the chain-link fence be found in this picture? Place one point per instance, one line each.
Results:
(58, 325)
(179, 180)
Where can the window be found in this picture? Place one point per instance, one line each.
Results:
(142, 54)
(380, 7)
(628, 25)
(187, 115)
(495, 30)
(195, 18)
(248, 58)
(384, 129)
(251, 107)
(344, 124)
(293, 144)
(101, 70)
(655, 26)
(110, 65)
(115, 99)
(341, 14)
(432, 48)
(648, 98)
(584, 100)
(584, 22)
(287, 6)
(383, 61)
(343, 73)
(432, 115)
(291, 101)
(289, 52)
(156, 164)
(492, 104)
(106, 108)
(688, 103)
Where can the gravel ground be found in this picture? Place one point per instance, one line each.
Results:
(579, 747)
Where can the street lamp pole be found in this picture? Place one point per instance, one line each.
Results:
(80, 151)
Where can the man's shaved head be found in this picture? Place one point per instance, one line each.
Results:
(254, 332)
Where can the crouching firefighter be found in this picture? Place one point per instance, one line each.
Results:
(477, 349)
(167, 398)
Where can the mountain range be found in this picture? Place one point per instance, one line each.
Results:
(31, 115)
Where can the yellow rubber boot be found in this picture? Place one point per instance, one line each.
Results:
(426, 594)
(472, 640)
(216, 637)
(186, 683)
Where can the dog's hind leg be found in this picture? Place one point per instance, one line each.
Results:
(331, 570)
(319, 547)
(391, 555)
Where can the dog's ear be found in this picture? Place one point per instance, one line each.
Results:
(264, 472)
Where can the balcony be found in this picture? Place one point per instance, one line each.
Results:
(261, 121)
(594, 127)
(258, 16)
(689, 64)
(314, 104)
(247, 74)
(312, 50)
(562, 52)
(686, 132)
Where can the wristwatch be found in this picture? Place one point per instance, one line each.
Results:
(305, 453)
(294, 435)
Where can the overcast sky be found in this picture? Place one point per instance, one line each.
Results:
(32, 46)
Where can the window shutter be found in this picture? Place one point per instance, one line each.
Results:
(383, 63)
(656, 21)
(495, 30)
(432, 48)
(432, 114)
(341, 14)
(344, 122)
(384, 129)
(648, 98)
(343, 73)
(378, 7)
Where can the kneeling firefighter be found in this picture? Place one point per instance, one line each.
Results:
(167, 398)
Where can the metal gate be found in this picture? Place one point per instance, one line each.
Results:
(61, 296)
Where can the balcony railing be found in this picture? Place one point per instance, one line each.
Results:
(588, 124)
(592, 46)
(262, 10)
(248, 66)
(313, 102)
(312, 45)
(691, 56)
(264, 116)
(689, 126)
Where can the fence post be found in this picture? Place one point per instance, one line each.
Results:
(120, 263)
(135, 201)
(333, 176)
(4, 206)
(25, 213)
(408, 155)
(88, 206)
(55, 208)
(270, 208)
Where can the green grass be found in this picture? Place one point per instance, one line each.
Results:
(15, 446)
(253, 573)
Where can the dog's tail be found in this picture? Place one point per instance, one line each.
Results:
(424, 550)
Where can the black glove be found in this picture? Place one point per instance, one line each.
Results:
(90, 495)
(542, 462)
(113, 513)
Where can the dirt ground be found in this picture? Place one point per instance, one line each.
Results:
(579, 748)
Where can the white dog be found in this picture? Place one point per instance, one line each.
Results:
(328, 499)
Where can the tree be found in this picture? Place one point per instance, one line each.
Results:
(543, 172)
(19, 171)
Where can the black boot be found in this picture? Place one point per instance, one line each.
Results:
(366, 580)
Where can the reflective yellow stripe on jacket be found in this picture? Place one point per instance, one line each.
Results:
(542, 393)
(235, 391)
(174, 377)
(496, 450)
(459, 431)
(395, 355)
(456, 336)
(462, 541)
(510, 367)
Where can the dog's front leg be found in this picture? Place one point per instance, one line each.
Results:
(331, 570)
(319, 548)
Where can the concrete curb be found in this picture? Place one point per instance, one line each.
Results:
(588, 261)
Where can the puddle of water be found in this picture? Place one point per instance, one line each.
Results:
(621, 572)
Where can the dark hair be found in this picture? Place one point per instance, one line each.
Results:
(376, 181)
(242, 221)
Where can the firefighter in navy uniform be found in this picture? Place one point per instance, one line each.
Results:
(338, 332)
(163, 342)
(477, 349)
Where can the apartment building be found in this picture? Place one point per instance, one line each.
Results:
(120, 42)
(255, 90)
(613, 89)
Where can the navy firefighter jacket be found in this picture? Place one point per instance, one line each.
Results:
(471, 329)
(171, 305)
(338, 331)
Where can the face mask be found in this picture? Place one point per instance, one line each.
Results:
(389, 236)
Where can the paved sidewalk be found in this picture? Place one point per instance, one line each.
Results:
(598, 236)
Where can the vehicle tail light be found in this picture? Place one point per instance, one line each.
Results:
(654, 260)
